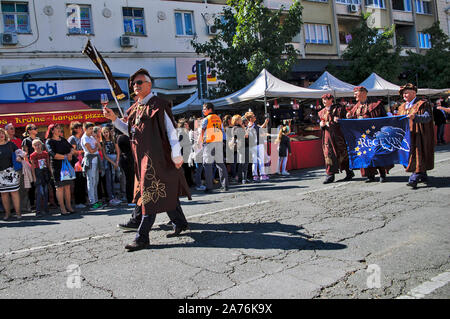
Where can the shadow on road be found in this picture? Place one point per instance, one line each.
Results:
(273, 235)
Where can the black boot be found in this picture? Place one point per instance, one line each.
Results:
(178, 230)
(329, 179)
(370, 179)
(349, 176)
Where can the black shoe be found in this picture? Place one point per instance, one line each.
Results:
(412, 184)
(177, 231)
(329, 179)
(129, 226)
(137, 246)
(370, 179)
(382, 179)
(208, 191)
(349, 176)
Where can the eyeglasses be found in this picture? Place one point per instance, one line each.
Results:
(139, 82)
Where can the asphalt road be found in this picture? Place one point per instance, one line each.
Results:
(290, 237)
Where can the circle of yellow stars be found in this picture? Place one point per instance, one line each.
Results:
(358, 149)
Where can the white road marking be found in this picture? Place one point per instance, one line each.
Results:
(428, 287)
(27, 250)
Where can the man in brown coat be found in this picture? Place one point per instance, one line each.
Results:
(157, 155)
(365, 109)
(421, 154)
(333, 142)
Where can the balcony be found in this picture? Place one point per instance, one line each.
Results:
(402, 16)
(404, 49)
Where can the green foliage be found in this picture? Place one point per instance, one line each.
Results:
(370, 50)
(251, 37)
(432, 69)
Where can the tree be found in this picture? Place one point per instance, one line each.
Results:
(432, 69)
(370, 50)
(251, 37)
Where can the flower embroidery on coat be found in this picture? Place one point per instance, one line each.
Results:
(157, 189)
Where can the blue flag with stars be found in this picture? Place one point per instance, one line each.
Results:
(377, 142)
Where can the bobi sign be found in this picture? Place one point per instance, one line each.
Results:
(48, 89)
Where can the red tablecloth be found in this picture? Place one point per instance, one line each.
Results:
(305, 154)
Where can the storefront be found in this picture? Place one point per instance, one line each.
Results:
(56, 113)
(55, 95)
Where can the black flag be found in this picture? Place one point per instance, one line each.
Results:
(95, 56)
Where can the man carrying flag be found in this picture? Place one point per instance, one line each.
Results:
(421, 155)
(364, 109)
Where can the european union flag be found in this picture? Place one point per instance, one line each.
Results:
(377, 142)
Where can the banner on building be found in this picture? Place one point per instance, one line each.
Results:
(187, 71)
(58, 90)
(47, 118)
(377, 142)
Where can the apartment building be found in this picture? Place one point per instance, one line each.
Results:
(328, 24)
(156, 34)
(443, 10)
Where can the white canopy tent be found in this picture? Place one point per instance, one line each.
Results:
(377, 86)
(265, 85)
(191, 104)
(329, 82)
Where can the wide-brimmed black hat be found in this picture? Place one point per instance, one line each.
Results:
(407, 86)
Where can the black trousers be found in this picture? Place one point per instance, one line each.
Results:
(127, 166)
(80, 188)
(176, 216)
(147, 221)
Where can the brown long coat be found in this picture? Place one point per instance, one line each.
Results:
(369, 110)
(333, 142)
(158, 183)
(421, 154)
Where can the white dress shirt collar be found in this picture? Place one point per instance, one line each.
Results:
(146, 99)
(410, 104)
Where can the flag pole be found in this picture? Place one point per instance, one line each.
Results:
(109, 84)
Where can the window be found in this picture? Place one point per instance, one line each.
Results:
(424, 40)
(318, 0)
(79, 20)
(423, 6)
(184, 23)
(133, 21)
(349, 1)
(16, 17)
(402, 5)
(317, 33)
(375, 4)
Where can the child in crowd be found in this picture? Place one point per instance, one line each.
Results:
(40, 163)
(284, 145)
(91, 163)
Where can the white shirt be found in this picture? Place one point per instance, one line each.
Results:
(409, 104)
(88, 139)
(170, 129)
